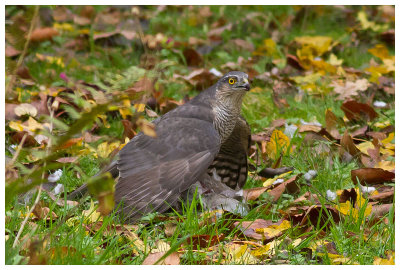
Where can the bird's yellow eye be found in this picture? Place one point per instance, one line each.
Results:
(231, 81)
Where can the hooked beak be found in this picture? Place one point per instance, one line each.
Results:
(246, 84)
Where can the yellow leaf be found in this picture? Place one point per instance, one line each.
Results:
(382, 124)
(386, 165)
(270, 181)
(366, 24)
(33, 124)
(364, 146)
(16, 125)
(380, 51)
(91, 215)
(278, 143)
(240, 255)
(103, 118)
(139, 107)
(64, 27)
(318, 44)
(380, 261)
(275, 230)
(268, 48)
(333, 60)
(389, 139)
(104, 149)
(147, 127)
(267, 250)
(261, 251)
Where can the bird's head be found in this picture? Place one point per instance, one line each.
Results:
(232, 87)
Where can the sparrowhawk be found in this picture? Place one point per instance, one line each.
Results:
(205, 135)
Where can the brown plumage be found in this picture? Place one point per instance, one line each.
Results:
(205, 133)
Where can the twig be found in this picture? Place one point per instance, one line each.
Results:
(22, 56)
(27, 217)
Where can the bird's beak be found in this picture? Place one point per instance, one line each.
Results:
(246, 84)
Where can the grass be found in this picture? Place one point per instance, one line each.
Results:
(96, 65)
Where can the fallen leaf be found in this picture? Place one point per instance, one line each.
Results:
(253, 193)
(331, 124)
(278, 143)
(380, 210)
(152, 258)
(348, 145)
(146, 127)
(193, 58)
(67, 159)
(275, 230)
(239, 254)
(11, 51)
(42, 34)
(44, 213)
(290, 186)
(383, 197)
(358, 111)
(243, 44)
(370, 176)
(204, 240)
(349, 88)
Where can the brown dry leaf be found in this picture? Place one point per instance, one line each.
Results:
(370, 176)
(243, 44)
(348, 195)
(37, 255)
(10, 113)
(193, 58)
(253, 193)
(67, 159)
(172, 259)
(290, 186)
(306, 128)
(61, 201)
(200, 78)
(43, 212)
(204, 240)
(376, 135)
(170, 228)
(314, 212)
(151, 113)
(215, 34)
(380, 210)
(348, 145)
(349, 88)
(385, 197)
(11, 51)
(358, 111)
(88, 137)
(331, 124)
(128, 129)
(143, 85)
(71, 142)
(42, 34)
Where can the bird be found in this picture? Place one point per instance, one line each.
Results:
(204, 137)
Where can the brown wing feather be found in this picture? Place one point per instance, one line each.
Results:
(154, 171)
